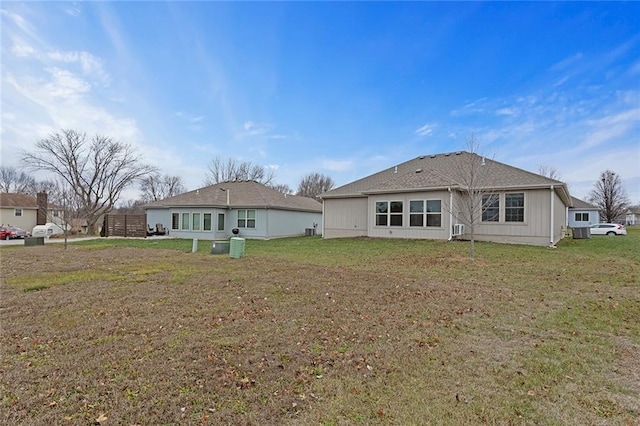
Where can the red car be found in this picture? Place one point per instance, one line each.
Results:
(13, 232)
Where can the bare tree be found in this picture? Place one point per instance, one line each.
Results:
(220, 170)
(476, 197)
(12, 181)
(131, 207)
(549, 171)
(155, 187)
(96, 170)
(610, 196)
(282, 187)
(314, 184)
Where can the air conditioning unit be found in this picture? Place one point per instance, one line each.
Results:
(458, 229)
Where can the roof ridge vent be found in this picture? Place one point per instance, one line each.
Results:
(421, 157)
(433, 156)
(447, 154)
(418, 170)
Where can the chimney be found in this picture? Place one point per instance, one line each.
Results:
(41, 201)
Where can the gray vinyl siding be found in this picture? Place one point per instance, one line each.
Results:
(162, 216)
(345, 217)
(283, 223)
(536, 228)
(27, 221)
(406, 231)
(593, 217)
(270, 223)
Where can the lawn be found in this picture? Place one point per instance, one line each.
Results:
(321, 332)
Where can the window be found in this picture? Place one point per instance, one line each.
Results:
(389, 213)
(185, 221)
(17, 212)
(582, 217)
(416, 213)
(175, 221)
(382, 209)
(434, 213)
(491, 208)
(396, 213)
(246, 218)
(195, 223)
(55, 213)
(207, 222)
(514, 207)
(220, 221)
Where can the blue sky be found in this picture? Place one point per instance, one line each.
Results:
(341, 88)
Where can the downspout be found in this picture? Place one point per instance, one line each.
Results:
(551, 218)
(322, 226)
(450, 214)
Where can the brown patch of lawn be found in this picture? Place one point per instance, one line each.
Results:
(328, 332)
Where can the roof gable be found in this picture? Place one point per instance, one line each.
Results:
(239, 194)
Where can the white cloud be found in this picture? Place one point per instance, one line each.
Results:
(255, 129)
(190, 118)
(22, 49)
(89, 64)
(507, 111)
(337, 165)
(566, 62)
(426, 130)
(611, 127)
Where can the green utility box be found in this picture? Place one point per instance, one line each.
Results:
(34, 241)
(236, 248)
(220, 247)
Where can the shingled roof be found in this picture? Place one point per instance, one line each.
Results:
(241, 194)
(577, 203)
(20, 201)
(430, 172)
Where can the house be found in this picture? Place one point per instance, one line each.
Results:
(257, 211)
(582, 214)
(632, 216)
(425, 198)
(21, 210)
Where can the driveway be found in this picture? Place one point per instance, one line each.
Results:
(20, 242)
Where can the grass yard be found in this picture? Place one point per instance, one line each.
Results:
(321, 332)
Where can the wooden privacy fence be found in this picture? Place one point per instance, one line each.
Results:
(125, 225)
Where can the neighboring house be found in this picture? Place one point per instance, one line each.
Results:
(423, 198)
(582, 214)
(80, 226)
(632, 217)
(21, 210)
(257, 211)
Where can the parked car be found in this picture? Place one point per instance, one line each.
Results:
(13, 232)
(3, 233)
(608, 229)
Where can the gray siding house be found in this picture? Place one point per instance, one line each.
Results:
(425, 198)
(257, 211)
(582, 214)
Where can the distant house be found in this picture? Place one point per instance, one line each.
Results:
(632, 217)
(424, 197)
(582, 214)
(256, 210)
(21, 210)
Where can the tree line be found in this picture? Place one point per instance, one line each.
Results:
(90, 173)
